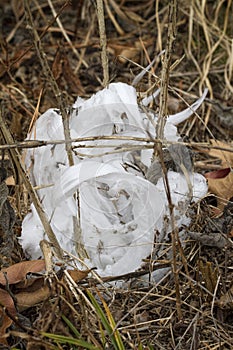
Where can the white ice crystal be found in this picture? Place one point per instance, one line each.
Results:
(120, 213)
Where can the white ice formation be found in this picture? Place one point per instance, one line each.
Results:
(121, 215)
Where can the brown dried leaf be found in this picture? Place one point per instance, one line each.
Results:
(222, 188)
(18, 272)
(225, 157)
(30, 284)
(78, 275)
(220, 182)
(29, 299)
(7, 301)
(14, 275)
(218, 174)
(5, 323)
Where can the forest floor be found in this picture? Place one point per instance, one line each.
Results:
(194, 312)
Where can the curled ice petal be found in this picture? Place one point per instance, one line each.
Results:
(147, 100)
(142, 73)
(73, 176)
(180, 117)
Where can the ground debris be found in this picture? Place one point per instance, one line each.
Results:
(7, 221)
(216, 232)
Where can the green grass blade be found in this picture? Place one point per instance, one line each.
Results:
(69, 340)
(115, 332)
(103, 319)
(71, 326)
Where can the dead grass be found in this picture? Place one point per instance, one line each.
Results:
(145, 317)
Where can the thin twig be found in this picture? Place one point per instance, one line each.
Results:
(103, 41)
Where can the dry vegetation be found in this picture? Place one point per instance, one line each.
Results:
(142, 317)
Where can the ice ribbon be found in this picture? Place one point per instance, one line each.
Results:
(119, 212)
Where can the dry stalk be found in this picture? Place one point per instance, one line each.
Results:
(65, 34)
(165, 69)
(103, 41)
(162, 117)
(16, 158)
(159, 35)
(41, 143)
(49, 75)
